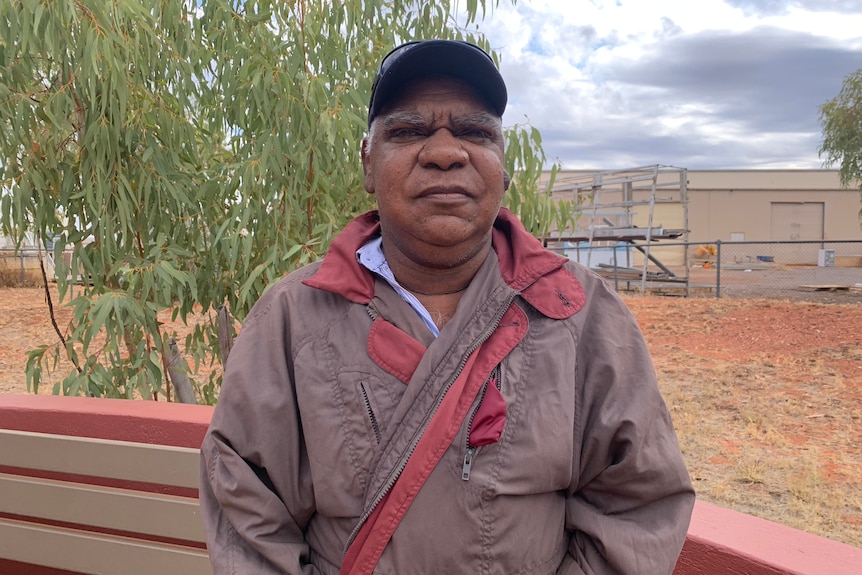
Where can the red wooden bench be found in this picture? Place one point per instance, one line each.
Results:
(726, 542)
(100, 486)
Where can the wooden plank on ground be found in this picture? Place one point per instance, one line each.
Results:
(824, 287)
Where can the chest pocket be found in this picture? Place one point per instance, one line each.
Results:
(367, 404)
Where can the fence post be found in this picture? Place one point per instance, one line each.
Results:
(717, 268)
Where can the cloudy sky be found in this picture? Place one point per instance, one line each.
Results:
(697, 84)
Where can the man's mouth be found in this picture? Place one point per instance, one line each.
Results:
(447, 193)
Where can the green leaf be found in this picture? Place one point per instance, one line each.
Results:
(189, 154)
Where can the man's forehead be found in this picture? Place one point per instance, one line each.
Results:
(443, 93)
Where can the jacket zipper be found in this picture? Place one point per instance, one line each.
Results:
(370, 411)
(396, 472)
(471, 449)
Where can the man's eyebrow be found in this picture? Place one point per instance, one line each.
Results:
(402, 118)
(476, 119)
(472, 119)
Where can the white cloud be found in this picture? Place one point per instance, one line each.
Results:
(712, 83)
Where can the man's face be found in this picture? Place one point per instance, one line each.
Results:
(435, 163)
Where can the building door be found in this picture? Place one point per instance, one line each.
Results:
(798, 221)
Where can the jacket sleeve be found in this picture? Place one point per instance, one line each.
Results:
(630, 507)
(256, 495)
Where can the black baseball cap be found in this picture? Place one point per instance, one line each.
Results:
(414, 60)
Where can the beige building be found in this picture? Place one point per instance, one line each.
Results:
(702, 206)
(760, 205)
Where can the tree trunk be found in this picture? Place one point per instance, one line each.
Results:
(225, 333)
(178, 372)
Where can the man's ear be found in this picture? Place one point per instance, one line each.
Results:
(366, 165)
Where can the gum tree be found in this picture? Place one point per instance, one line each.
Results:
(841, 119)
(187, 155)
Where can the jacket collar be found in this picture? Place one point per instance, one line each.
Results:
(523, 262)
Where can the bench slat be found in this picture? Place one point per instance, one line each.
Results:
(62, 548)
(123, 460)
(166, 516)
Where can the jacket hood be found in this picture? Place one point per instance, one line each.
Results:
(523, 263)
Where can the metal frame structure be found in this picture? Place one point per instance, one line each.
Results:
(606, 204)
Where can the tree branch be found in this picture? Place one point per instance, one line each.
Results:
(51, 306)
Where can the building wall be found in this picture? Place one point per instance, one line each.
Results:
(724, 202)
(755, 205)
(727, 202)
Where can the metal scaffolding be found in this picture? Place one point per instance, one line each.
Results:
(609, 210)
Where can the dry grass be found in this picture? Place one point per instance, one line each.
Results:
(15, 278)
(769, 419)
(766, 397)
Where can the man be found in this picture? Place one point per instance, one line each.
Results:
(440, 394)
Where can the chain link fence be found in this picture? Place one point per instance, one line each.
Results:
(818, 271)
(20, 268)
(829, 271)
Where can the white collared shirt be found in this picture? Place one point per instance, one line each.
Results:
(372, 257)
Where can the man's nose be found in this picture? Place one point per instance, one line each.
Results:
(443, 151)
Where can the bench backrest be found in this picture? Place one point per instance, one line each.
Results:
(99, 505)
(98, 486)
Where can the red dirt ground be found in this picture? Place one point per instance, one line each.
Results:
(766, 396)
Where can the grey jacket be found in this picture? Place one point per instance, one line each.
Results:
(334, 379)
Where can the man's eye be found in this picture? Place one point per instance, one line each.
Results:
(405, 133)
(476, 134)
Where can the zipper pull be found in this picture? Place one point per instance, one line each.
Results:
(468, 463)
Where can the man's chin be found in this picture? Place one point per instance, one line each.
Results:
(447, 236)
(448, 250)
